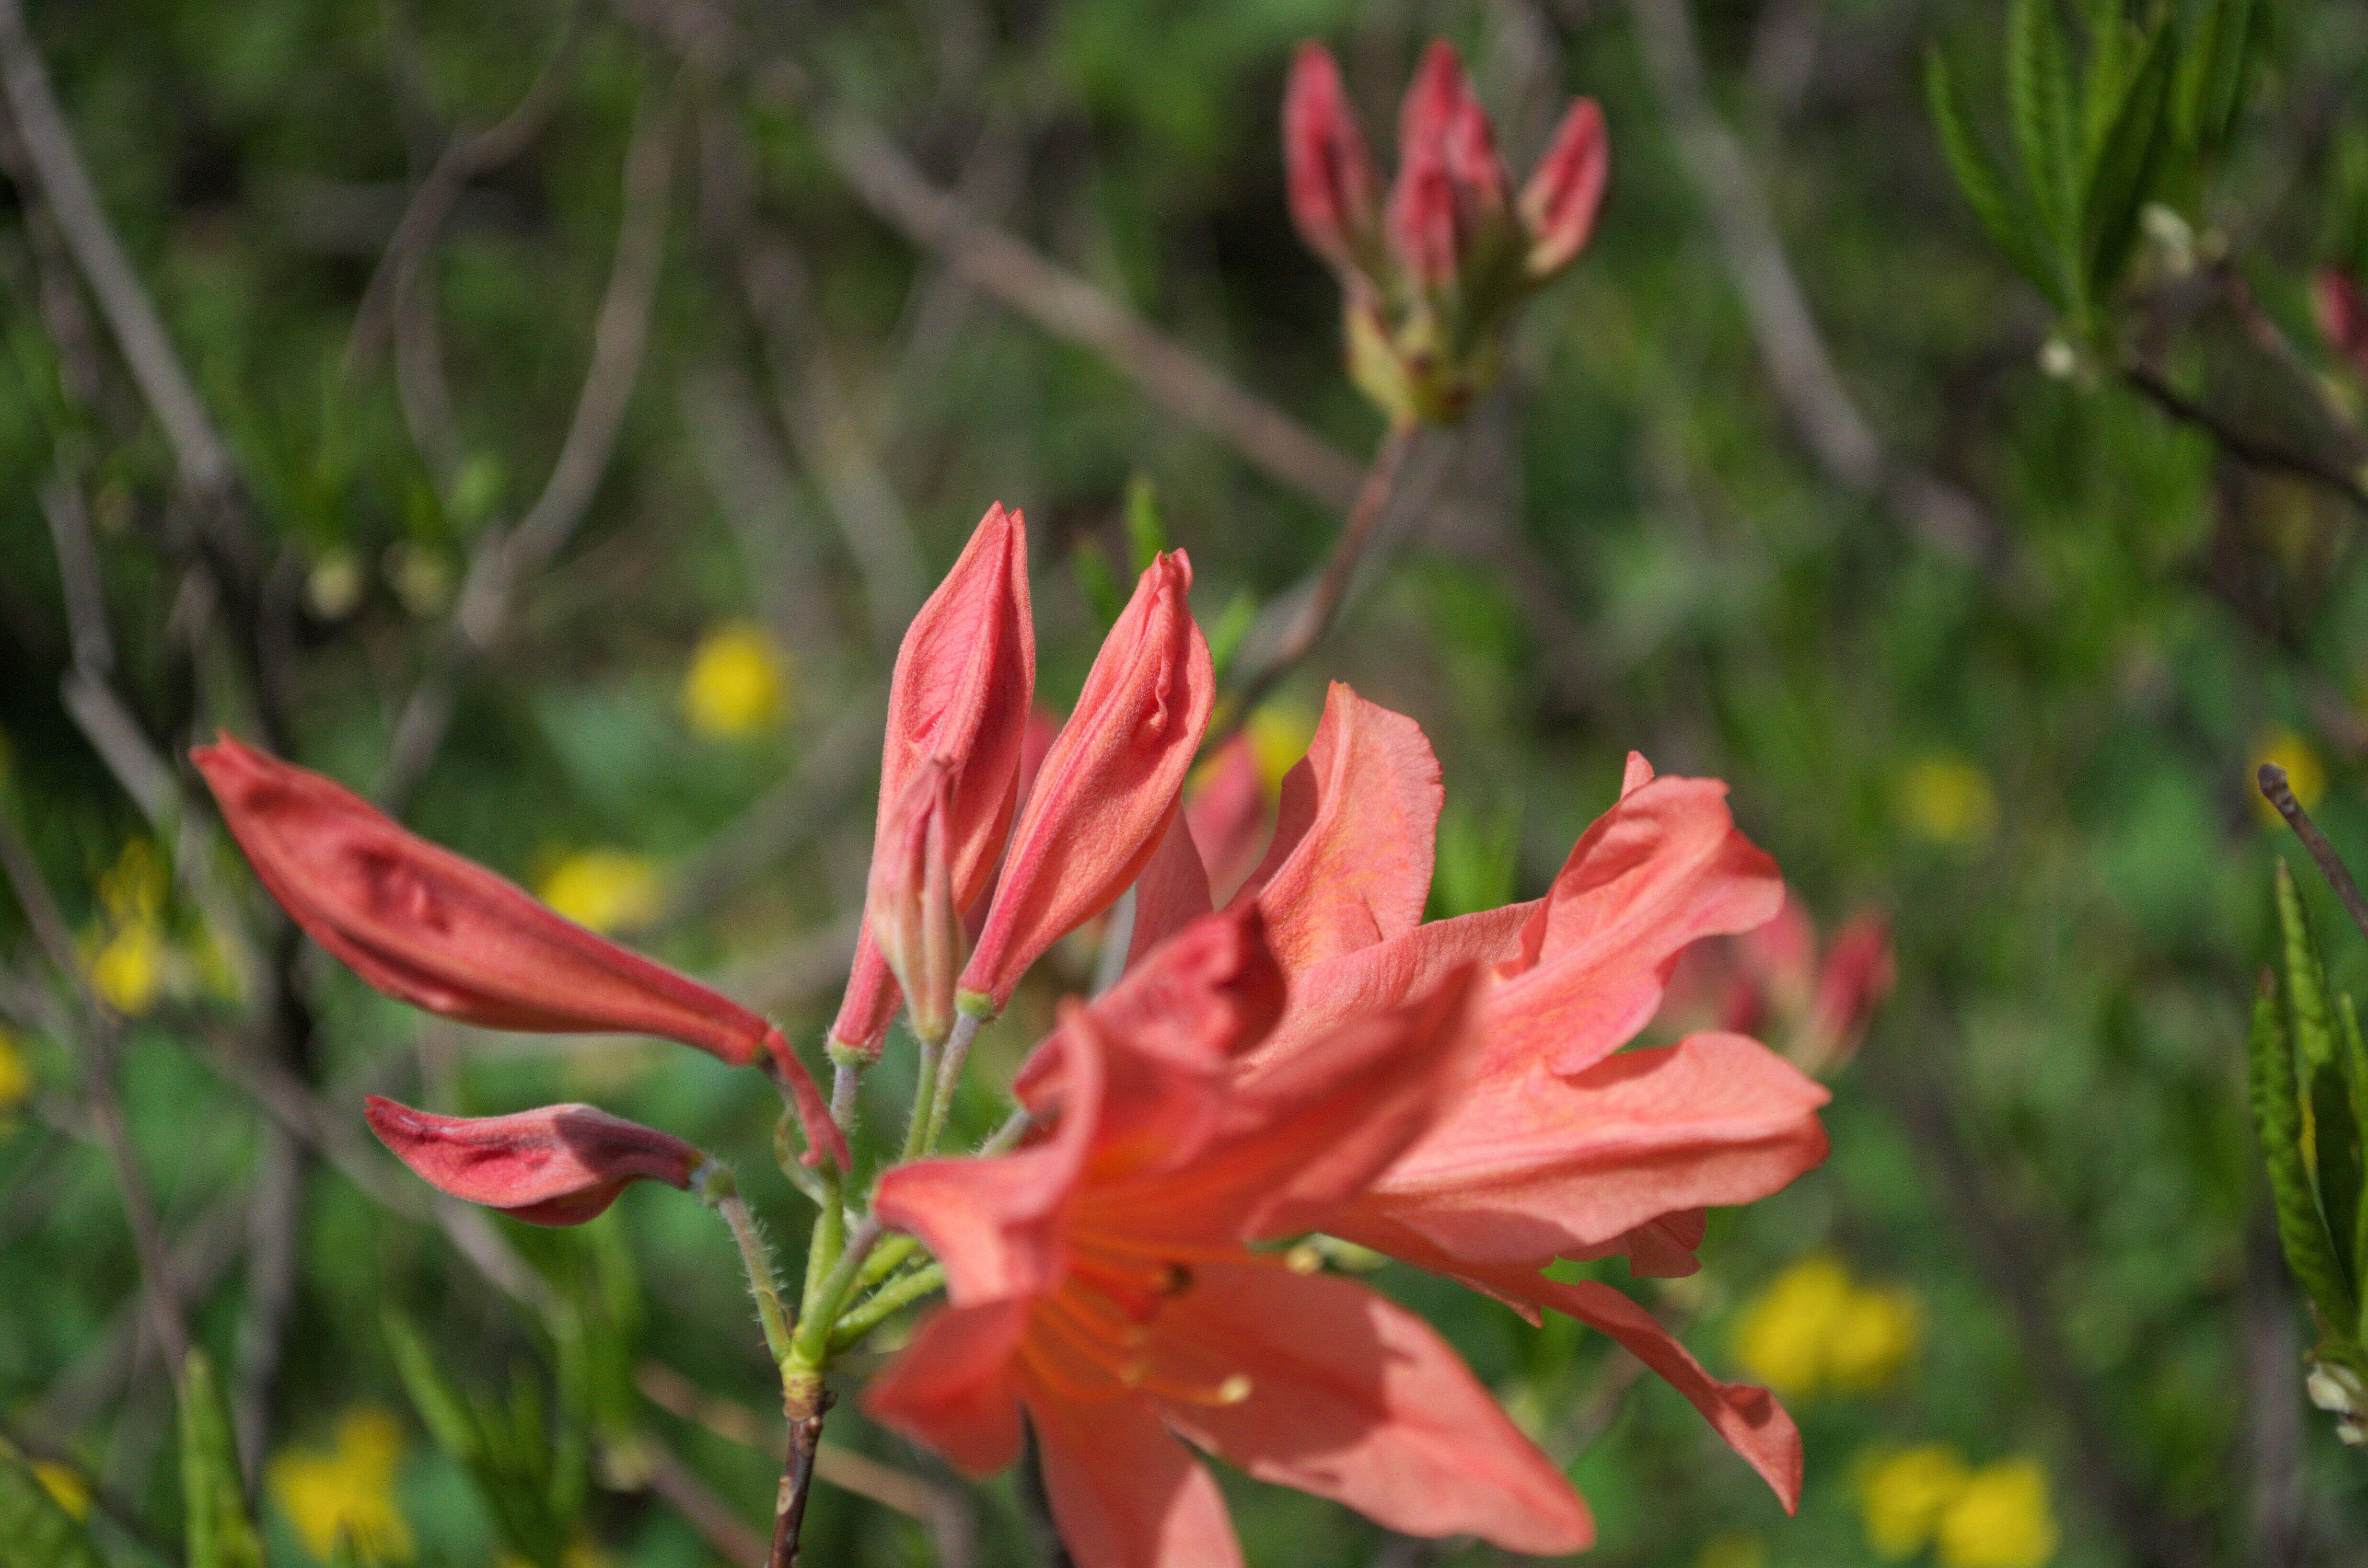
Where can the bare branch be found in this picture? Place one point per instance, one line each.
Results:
(2256, 451)
(1837, 434)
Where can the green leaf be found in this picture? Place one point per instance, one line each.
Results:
(2212, 71)
(34, 1532)
(1225, 633)
(2277, 1120)
(2124, 173)
(1146, 531)
(1093, 580)
(1977, 177)
(442, 1410)
(220, 1533)
(2328, 1137)
(2039, 109)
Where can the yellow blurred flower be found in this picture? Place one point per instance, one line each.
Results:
(1873, 1338)
(128, 970)
(1278, 738)
(2305, 775)
(1902, 1497)
(2000, 1518)
(1813, 1328)
(132, 889)
(736, 685)
(347, 1491)
(65, 1485)
(1948, 799)
(1732, 1551)
(604, 889)
(15, 1073)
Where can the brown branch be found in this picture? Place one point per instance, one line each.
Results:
(504, 559)
(2256, 451)
(469, 155)
(732, 1537)
(2279, 793)
(1799, 366)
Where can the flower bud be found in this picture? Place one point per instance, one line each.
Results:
(2341, 306)
(1329, 173)
(965, 679)
(429, 927)
(1108, 786)
(560, 1164)
(1451, 185)
(910, 905)
(1856, 975)
(1559, 202)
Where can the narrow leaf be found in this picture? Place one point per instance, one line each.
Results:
(2039, 107)
(442, 1410)
(221, 1534)
(1146, 531)
(2277, 1118)
(2122, 177)
(1977, 177)
(35, 1532)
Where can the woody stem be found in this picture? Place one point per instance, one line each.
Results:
(1315, 617)
(804, 1401)
(2279, 793)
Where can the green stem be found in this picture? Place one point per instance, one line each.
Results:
(812, 1343)
(754, 1257)
(1007, 1136)
(920, 1134)
(950, 1071)
(883, 1303)
(884, 1261)
(822, 1249)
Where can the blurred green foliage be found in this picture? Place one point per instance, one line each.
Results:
(2034, 753)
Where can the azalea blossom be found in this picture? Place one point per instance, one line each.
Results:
(1559, 1144)
(1099, 1282)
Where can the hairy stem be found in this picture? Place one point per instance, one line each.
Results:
(950, 1071)
(762, 1283)
(919, 1134)
(891, 1298)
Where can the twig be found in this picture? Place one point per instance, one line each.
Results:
(703, 1509)
(2279, 793)
(467, 157)
(501, 561)
(1799, 366)
(197, 448)
(2254, 450)
(1314, 616)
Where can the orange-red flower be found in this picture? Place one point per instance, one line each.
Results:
(1099, 1282)
(1108, 787)
(913, 916)
(965, 676)
(1558, 1143)
(429, 927)
(559, 1165)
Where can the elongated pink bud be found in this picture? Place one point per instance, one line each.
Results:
(1329, 173)
(429, 927)
(1108, 786)
(1451, 185)
(1559, 202)
(561, 1165)
(910, 904)
(965, 674)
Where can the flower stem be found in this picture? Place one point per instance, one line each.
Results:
(925, 1088)
(759, 1261)
(883, 1303)
(810, 1344)
(884, 1260)
(950, 1071)
(822, 1247)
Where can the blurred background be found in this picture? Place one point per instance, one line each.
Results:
(727, 323)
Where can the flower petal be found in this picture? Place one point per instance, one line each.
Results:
(1356, 1398)
(1225, 807)
(1172, 892)
(1351, 859)
(951, 1387)
(1124, 1493)
(558, 1164)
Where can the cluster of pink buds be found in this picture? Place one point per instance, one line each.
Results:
(1306, 1057)
(1775, 982)
(1433, 276)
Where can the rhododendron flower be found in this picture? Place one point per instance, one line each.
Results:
(1558, 1145)
(1772, 980)
(429, 927)
(1099, 1283)
(560, 1164)
(964, 680)
(1108, 787)
(1433, 279)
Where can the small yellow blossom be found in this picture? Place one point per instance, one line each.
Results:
(2305, 775)
(128, 970)
(348, 1491)
(15, 1073)
(1873, 1338)
(1948, 800)
(604, 889)
(1732, 1551)
(735, 684)
(1279, 738)
(65, 1485)
(2000, 1518)
(1903, 1496)
(1781, 1337)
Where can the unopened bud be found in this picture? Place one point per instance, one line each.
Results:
(1329, 173)
(2336, 1389)
(1558, 204)
(914, 917)
(559, 1165)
